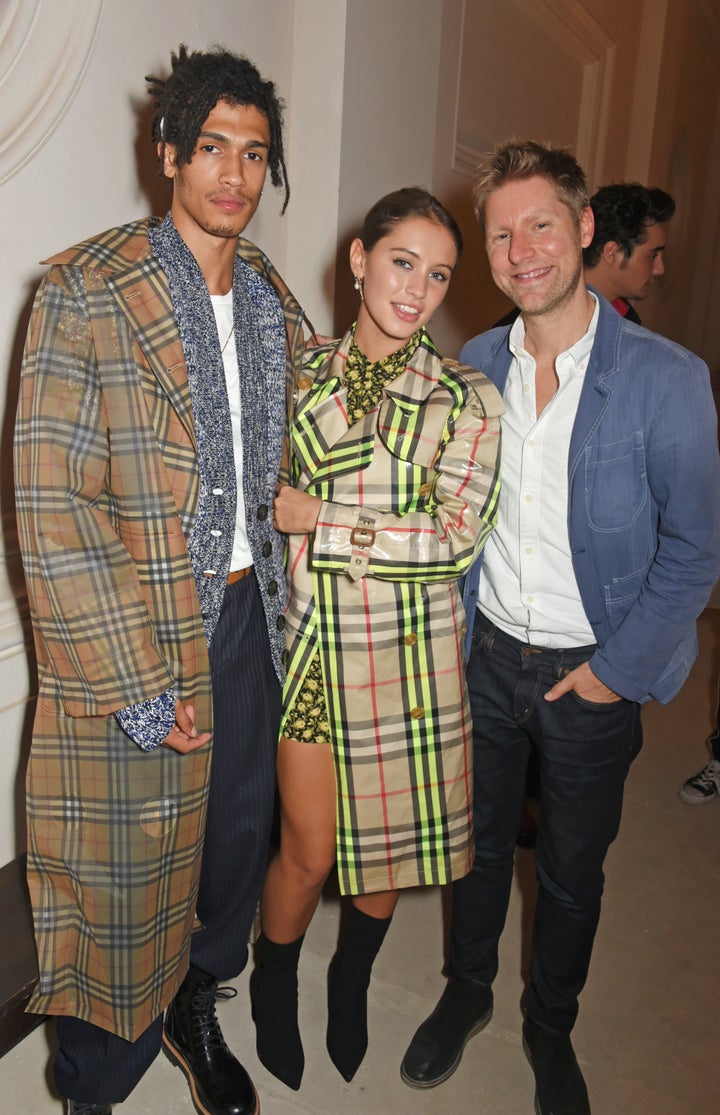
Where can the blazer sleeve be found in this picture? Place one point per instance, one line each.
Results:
(440, 542)
(92, 626)
(683, 476)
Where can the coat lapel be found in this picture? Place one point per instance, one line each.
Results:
(143, 296)
(597, 389)
(320, 423)
(324, 445)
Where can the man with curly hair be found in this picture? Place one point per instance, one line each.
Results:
(150, 435)
(626, 253)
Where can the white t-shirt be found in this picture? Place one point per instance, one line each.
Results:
(223, 310)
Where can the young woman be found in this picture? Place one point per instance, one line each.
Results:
(395, 466)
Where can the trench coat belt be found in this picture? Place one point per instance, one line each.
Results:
(238, 575)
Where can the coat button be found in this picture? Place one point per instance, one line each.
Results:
(410, 640)
(424, 490)
(304, 382)
(417, 713)
(281, 623)
(262, 512)
(272, 588)
(267, 549)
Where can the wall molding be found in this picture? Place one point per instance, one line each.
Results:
(45, 47)
(582, 37)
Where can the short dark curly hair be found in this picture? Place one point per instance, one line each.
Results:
(623, 212)
(200, 79)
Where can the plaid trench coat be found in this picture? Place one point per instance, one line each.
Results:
(410, 494)
(107, 480)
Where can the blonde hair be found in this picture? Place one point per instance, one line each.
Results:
(514, 160)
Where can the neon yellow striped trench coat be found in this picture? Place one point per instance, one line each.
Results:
(107, 478)
(410, 494)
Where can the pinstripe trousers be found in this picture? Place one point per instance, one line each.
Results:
(94, 1066)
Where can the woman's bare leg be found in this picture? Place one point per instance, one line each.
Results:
(295, 878)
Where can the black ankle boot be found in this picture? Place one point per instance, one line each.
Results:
(274, 997)
(88, 1108)
(193, 1040)
(348, 982)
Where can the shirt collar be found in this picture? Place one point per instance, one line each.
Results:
(576, 356)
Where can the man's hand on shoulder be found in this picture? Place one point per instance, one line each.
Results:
(585, 684)
(184, 735)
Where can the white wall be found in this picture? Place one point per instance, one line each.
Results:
(392, 58)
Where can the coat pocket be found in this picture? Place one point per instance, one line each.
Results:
(616, 489)
(622, 594)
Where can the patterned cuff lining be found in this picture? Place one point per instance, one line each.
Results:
(149, 722)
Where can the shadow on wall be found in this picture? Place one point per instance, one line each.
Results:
(473, 303)
(154, 186)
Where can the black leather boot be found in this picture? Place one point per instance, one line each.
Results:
(274, 997)
(559, 1084)
(348, 982)
(193, 1040)
(464, 1009)
(88, 1108)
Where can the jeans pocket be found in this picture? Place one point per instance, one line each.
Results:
(483, 639)
(595, 705)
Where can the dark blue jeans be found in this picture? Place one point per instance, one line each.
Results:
(585, 750)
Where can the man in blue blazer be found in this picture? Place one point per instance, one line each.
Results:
(583, 606)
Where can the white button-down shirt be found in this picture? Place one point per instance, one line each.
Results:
(527, 584)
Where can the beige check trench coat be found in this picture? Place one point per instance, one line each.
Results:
(106, 478)
(410, 494)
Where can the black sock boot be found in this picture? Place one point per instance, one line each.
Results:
(348, 982)
(274, 996)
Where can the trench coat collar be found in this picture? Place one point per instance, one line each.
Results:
(413, 384)
(325, 445)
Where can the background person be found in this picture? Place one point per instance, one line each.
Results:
(395, 458)
(705, 785)
(627, 252)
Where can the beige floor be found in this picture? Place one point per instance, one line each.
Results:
(647, 1036)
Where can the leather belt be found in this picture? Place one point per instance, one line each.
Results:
(238, 575)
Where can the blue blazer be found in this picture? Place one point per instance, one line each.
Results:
(643, 501)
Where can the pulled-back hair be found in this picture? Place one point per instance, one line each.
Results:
(514, 161)
(623, 212)
(185, 99)
(410, 201)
